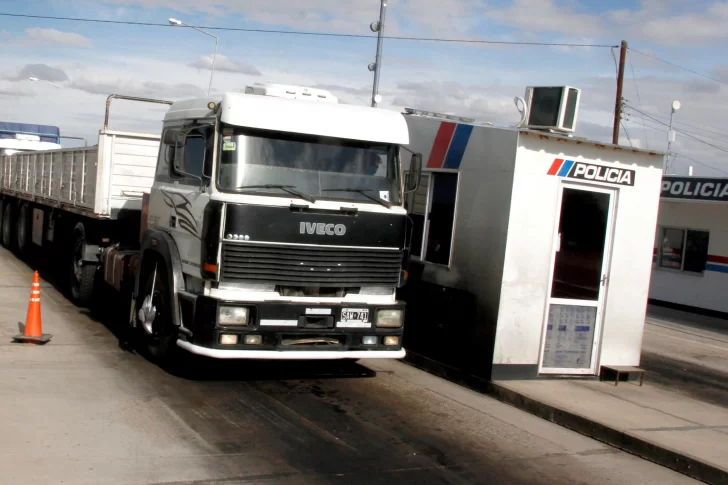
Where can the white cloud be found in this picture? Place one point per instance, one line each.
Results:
(56, 37)
(721, 73)
(40, 71)
(546, 16)
(346, 16)
(661, 22)
(105, 85)
(658, 25)
(13, 90)
(436, 77)
(225, 64)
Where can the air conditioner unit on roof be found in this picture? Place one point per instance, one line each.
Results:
(291, 92)
(552, 108)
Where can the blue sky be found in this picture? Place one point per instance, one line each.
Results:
(93, 60)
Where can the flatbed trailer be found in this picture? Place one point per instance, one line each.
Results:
(84, 199)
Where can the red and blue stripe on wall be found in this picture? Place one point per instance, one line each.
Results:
(449, 145)
(715, 263)
(560, 167)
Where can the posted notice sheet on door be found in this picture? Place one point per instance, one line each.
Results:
(569, 337)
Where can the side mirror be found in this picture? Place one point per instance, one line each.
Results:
(415, 171)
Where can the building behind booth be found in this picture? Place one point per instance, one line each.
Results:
(690, 264)
(21, 137)
(502, 213)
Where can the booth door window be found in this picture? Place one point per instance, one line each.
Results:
(578, 282)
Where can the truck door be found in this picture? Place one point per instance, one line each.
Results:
(181, 189)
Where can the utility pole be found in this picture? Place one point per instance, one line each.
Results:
(378, 27)
(618, 102)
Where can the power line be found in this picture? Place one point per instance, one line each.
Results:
(704, 136)
(639, 100)
(724, 136)
(644, 124)
(702, 163)
(320, 34)
(626, 133)
(700, 128)
(658, 129)
(723, 149)
(679, 66)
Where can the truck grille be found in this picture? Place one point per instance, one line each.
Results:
(310, 266)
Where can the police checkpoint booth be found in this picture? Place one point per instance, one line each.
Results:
(690, 264)
(531, 251)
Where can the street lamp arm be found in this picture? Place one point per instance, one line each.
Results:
(214, 54)
(200, 30)
(182, 24)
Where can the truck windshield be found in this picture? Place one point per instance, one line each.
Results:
(263, 161)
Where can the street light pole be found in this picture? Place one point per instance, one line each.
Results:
(671, 135)
(214, 54)
(378, 27)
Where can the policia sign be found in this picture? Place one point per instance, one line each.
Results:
(694, 188)
(589, 171)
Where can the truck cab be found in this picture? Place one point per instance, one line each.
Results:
(275, 229)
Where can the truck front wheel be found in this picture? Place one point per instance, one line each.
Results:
(154, 317)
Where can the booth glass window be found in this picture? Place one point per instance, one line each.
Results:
(683, 249)
(432, 210)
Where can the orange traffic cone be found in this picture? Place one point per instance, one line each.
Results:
(32, 331)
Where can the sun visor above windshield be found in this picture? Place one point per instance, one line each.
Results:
(339, 121)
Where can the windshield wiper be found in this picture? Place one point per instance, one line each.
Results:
(291, 189)
(363, 192)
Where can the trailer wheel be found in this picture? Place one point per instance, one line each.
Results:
(82, 275)
(7, 225)
(22, 232)
(2, 216)
(154, 318)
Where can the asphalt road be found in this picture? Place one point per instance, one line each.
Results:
(688, 353)
(84, 409)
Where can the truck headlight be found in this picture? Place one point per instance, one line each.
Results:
(232, 315)
(389, 318)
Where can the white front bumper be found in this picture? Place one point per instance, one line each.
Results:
(290, 354)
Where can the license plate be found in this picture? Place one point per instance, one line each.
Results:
(355, 315)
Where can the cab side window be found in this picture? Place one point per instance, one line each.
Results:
(185, 154)
(193, 156)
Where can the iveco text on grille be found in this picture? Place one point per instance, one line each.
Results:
(322, 228)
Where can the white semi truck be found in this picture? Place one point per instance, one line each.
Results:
(265, 225)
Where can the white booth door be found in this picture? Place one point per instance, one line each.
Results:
(579, 277)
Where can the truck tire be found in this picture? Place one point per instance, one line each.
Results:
(81, 276)
(7, 234)
(158, 334)
(22, 232)
(2, 216)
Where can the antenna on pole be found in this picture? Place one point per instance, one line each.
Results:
(378, 27)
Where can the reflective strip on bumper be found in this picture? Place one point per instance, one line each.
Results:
(291, 354)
